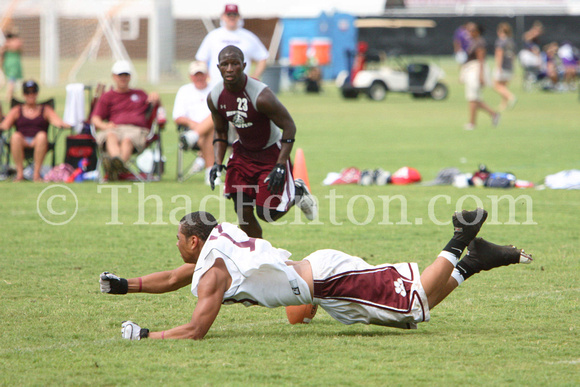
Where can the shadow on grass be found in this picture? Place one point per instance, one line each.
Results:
(291, 333)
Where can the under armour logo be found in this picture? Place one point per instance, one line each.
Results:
(223, 106)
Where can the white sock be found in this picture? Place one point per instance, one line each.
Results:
(207, 172)
(450, 257)
(457, 276)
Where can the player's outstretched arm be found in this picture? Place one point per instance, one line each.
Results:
(161, 282)
(210, 291)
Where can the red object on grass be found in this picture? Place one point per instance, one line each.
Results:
(406, 175)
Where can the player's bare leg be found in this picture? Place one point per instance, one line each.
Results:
(436, 276)
(246, 218)
(248, 222)
(450, 286)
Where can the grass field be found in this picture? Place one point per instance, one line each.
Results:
(517, 325)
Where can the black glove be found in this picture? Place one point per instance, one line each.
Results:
(276, 179)
(112, 284)
(214, 173)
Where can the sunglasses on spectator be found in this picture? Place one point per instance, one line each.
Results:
(232, 14)
(29, 91)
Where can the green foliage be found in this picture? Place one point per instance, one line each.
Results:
(514, 325)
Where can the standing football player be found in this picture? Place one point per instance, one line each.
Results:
(259, 171)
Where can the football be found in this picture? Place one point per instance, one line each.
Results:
(301, 314)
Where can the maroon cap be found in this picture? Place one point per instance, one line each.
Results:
(231, 8)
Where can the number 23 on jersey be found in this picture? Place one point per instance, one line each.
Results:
(242, 104)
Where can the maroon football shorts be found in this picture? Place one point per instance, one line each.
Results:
(246, 172)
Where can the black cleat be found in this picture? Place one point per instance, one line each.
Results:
(466, 224)
(484, 255)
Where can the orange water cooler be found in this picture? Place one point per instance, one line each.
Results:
(321, 48)
(298, 52)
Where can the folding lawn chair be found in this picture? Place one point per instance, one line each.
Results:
(53, 135)
(151, 171)
(182, 147)
(194, 167)
(154, 171)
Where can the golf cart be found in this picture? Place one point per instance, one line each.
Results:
(419, 79)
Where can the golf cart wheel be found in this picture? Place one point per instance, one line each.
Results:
(377, 91)
(439, 92)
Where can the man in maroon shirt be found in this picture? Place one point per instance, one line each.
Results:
(120, 120)
(259, 171)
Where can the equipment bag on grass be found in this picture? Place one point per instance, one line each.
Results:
(81, 146)
(501, 180)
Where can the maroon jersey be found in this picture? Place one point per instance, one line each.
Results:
(123, 108)
(255, 130)
(29, 127)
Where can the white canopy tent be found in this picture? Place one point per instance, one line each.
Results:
(188, 9)
(294, 8)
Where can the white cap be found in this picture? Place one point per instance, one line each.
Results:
(197, 67)
(121, 67)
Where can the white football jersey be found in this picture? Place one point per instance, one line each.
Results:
(259, 273)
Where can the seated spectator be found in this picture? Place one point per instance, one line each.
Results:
(191, 110)
(530, 55)
(532, 37)
(569, 56)
(313, 80)
(120, 120)
(551, 63)
(31, 121)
